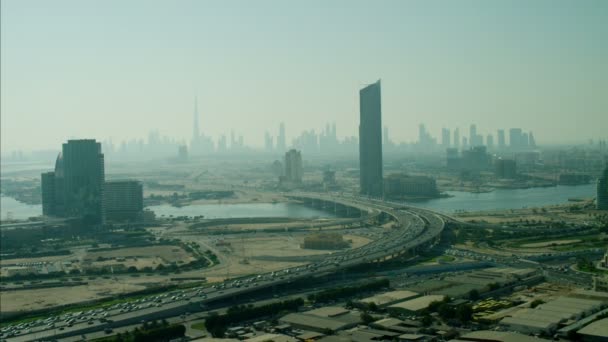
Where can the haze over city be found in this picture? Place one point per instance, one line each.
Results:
(121, 69)
(304, 171)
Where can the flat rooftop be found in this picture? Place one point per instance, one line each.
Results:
(499, 336)
(390, 297)
(597, 329)
(417, 304)
(328, 311)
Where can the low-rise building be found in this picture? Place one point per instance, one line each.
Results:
(123, 201)
(324, 319)
(498, 336)
(596, 331)
(600, 283)
(389, 298)
(546, 318)
(505, 168)
(271, 337)
(417, 304)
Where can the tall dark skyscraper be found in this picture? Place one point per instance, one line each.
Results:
(602, 191)
(370, 140)
(84, 176)
(75, 189)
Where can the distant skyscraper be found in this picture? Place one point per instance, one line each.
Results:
(199, 143)
(472, 134)
(182, 153)
(370, 140)
(531, 140)
(281, 145)
(456, 138)
(268, 142)
(490, 141)
(221, 144)
(515, 138)
(445, 137)
(501, 139)
(474, 138)
(293, 166)
(195, 125)
(75, 189)
(385, 136)
(421, 134)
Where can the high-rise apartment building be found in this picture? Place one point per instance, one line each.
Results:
(456, 138)
(293, 166)
(370, 140)
(48, 194)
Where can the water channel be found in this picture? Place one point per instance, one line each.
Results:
(498, 199)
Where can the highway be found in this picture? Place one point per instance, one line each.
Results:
(413, 228)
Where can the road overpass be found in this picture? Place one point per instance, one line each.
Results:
(413, 229)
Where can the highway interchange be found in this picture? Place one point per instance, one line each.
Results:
(413, 228)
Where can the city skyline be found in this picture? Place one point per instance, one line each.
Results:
(494, 73)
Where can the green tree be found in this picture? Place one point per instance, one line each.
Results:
(367, 318)
(426, 320)
(464, 313)
(536, 303)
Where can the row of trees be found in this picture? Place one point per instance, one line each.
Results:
(149, 333)
(452, 315)
(347, 291)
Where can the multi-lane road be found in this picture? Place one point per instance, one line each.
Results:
(413, 229)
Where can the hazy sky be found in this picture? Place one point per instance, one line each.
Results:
(119, 69)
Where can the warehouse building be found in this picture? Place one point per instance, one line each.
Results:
(596, 331)
(389, 298)
(323, 319)
(416, 305)
(546, 318)
(498, 336)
